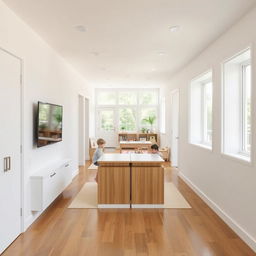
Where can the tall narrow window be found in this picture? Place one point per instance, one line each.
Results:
(207, 113)
(201, 111)
(236, 106)
(246, 108)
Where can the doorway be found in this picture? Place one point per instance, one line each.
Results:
(83, 126)
(175, 99)
(11, 189)
(106, 124)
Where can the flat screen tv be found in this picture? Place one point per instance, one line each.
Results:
(49, 124)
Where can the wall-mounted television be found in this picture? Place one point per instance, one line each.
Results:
(49, 124)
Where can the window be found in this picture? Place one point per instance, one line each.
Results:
(201, 110)
(127, 98)
(127, 119)
(207, 113)
(133, 109)
(236, 107)
(106, 97)
(246, 108)
(107, 120)
(148, 98)
(148, 118)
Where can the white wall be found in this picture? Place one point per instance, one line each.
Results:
(47, 77)
(227, 184)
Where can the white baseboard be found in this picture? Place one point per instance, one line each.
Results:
(247, 238)
(31, 219)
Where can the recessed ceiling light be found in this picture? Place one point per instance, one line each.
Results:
(80, 28)
(174, 28)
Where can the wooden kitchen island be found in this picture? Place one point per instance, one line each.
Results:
(130, 181)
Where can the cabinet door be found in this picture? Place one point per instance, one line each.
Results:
(147, 185)
(114, 185)
(10, 141)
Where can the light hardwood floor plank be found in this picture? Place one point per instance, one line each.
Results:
(126, 232)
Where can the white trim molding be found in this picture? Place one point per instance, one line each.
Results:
(246, 237)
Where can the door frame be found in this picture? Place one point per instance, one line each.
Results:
(173, 92)
(81, 131)
(22, 182)
(87, 136)
(83, 153)
(97, 127)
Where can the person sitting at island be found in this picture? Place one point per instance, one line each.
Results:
(98, 153)
(155, 150)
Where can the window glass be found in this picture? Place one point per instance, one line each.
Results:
(148, 118)
(207, 113)
(107, 120)
(127, 119)
(246, 147)
(106, 98)
(127, 98)
(148, 98)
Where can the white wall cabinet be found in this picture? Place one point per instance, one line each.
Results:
(48, 183)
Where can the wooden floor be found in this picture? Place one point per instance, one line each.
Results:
(174, 232)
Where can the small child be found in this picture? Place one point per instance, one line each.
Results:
(155, 150)
(98, 153)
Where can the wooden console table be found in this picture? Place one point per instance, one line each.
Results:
(130, 180)
(135, 145)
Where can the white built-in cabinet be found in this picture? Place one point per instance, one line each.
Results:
(48, 183)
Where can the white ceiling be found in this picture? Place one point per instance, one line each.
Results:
(124, 39)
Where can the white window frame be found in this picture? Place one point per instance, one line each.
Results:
(200, 82)
(138, 107)
(243, 110)
(240, 156)
(204, 130)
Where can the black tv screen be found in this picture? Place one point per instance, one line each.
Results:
(49, 124)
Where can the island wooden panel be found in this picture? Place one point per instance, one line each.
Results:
(114, 184)
(147, 184)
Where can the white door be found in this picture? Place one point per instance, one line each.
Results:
(10, 141)
(81, 128)
(174, 127)
(87, 122)
(106, 126)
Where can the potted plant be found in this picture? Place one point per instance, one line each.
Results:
(150, 120)
(143, 130)
(122, 128)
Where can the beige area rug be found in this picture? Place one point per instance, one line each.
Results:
(93, 167)
(87, 197)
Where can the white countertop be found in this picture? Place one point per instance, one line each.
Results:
(130, 158)
(115, 158)
(136, 142)
(146, 158)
